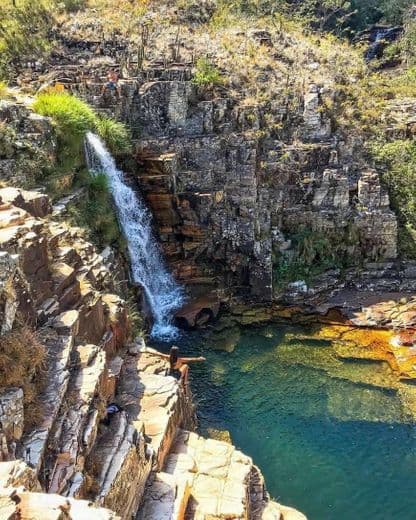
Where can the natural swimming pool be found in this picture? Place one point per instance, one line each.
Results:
(330, 436)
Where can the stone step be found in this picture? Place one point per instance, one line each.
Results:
(61, 206)
(68, 255)
(215, 475)
(167, 498)
(154, 401)
(34, 202)
(12, 216)
(16, 473)
(221, 474)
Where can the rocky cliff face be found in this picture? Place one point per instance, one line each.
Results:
(66, 351)
(27, 143)
(233, 174)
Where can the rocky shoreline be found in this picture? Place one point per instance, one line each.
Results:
(72, 462)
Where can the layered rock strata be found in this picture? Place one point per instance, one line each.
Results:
(75, 459)
(231, 178)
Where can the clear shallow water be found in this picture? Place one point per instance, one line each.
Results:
(333, 448)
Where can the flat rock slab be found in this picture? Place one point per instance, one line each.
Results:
(34, 202)
(217, 474)
(41, 506)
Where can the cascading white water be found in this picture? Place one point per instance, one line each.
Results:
(164, 295)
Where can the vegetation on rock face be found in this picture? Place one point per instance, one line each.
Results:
(73, 119)
(313, 253)
(22, 359)
(95, 211)
(398, 164)
(115, 135)
(207, 74)
(72, 116)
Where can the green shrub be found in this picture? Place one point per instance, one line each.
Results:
(206, 74)
(313, 253)
(96, 211)
(72, 116)
(397, 162)
(115, 135)
(73, 119)
(24, 32)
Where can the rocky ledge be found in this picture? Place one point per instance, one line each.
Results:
(72, 459)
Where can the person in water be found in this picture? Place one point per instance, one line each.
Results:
(178, 366)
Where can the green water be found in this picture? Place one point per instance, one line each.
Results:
(328, 435)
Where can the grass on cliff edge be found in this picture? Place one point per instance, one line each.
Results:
(73, 118)
(22, 364)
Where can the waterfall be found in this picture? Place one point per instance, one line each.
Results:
(148, 269)
(378, 41)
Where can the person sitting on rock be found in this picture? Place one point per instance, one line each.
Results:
(111, 410)
(178, 367)
(112, 84)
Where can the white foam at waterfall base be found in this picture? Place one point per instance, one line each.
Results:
(163, 294)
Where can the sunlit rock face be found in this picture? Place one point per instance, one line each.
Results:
(55, 285)
(65, 452)
(225, 199)
(27, 144)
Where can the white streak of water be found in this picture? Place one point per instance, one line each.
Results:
(163, 294)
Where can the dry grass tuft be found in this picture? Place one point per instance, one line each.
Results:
(22, 364)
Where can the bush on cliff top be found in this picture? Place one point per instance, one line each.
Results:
(72, 116)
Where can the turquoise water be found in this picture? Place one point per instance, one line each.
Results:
(329, 436)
